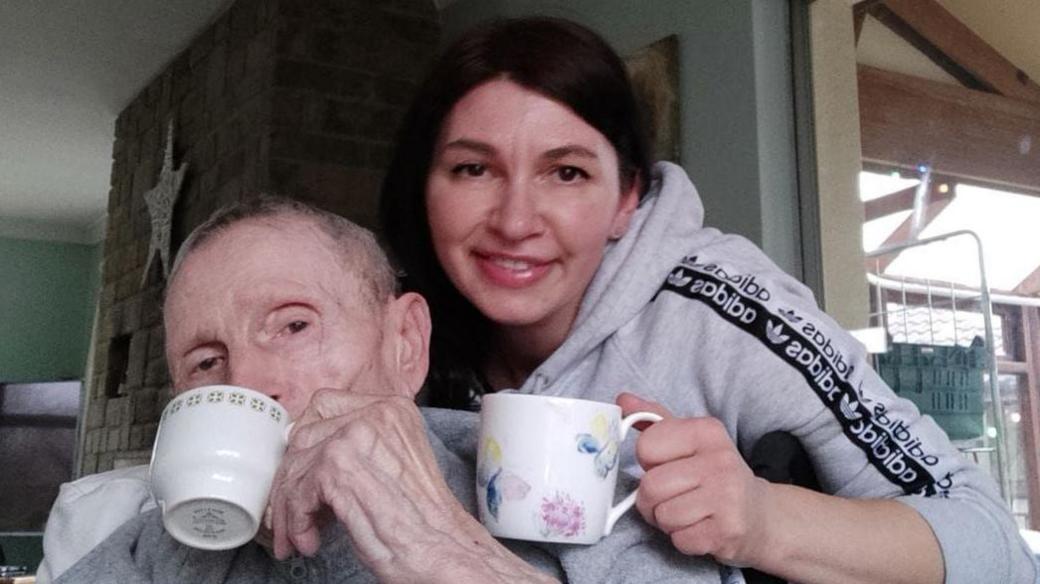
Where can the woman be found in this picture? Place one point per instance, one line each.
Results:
(522, 204)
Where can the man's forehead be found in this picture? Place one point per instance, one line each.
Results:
(287, 250)
(283, 240)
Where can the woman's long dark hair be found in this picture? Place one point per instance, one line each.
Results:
(556, 58)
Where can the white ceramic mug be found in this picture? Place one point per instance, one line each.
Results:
(547, 467)
(215, 455)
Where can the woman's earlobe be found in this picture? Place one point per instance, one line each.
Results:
(626, 208)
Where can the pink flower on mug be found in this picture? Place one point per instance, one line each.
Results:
(562, 516)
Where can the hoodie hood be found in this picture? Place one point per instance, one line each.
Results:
(668, 220)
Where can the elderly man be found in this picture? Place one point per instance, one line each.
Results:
(301, 304)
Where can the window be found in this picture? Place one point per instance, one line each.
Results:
(38, 431)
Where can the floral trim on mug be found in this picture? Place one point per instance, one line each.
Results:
(600, 441)
(217, 397)
(561, 516)
(501, 484)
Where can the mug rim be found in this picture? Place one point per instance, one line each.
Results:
(249, 392)
(509, 394)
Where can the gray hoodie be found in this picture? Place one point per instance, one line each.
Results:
(106, 529)
(707, 325)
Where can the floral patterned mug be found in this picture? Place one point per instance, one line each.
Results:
(547, 467)
(215, 455)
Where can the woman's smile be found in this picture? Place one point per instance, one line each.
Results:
(511, 271)
(523, 196)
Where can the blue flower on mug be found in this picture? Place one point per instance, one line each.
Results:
(600, 442)
(500, 483)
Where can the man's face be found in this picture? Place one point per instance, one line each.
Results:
(269, 304)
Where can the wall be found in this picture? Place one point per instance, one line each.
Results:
(736, 114)
(47, 292)
(838, 162)
(296, 97)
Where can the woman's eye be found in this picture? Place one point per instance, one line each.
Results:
(470, 169)
(297, 326)
(571, 174)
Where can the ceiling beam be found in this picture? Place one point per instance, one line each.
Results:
(938, 34)
(859, 15)
(901, 201)
(936, 203)
(908, 121)
(1030, 285)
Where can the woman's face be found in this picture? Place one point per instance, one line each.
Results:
(522, 197)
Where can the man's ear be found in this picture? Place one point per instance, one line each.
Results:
(408, 341)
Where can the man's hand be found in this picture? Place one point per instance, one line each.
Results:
(366, 460)
(697, 487)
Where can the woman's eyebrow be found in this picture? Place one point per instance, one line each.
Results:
(471, 145)
(569, 150)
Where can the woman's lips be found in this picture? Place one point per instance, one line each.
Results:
(511, 271)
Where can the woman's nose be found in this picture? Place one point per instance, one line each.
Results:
(515, 216)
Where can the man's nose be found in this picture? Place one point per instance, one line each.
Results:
(258, 372)
(516, 216)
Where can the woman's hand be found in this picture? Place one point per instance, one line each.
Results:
(699, 491)
(366, 461)
(697, 487)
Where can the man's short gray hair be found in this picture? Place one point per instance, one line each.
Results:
(357, 246)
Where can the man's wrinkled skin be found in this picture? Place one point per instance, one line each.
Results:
(272, 305)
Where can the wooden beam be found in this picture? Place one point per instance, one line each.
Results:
(889, 204)
(907, 121)
(859, 14)
(900, 201)
(1030, 410)
(1013, 366)
(935, 206)
(897, 25)
(939, 35)
(1030, 285)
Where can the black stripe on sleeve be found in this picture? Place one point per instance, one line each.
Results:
(889, 446)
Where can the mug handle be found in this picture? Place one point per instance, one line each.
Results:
(618, 510)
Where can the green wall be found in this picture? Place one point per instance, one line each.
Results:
(47, 295)
(737, 112)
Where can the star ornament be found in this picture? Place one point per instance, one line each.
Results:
(160, 200)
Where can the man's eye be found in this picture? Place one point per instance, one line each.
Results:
(571, 173)
(297, 326)
(470, 169)
(207, 364)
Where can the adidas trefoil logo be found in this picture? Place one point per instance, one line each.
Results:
(790, 315)
(848, 408)
(679, 278)
(775, 334)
